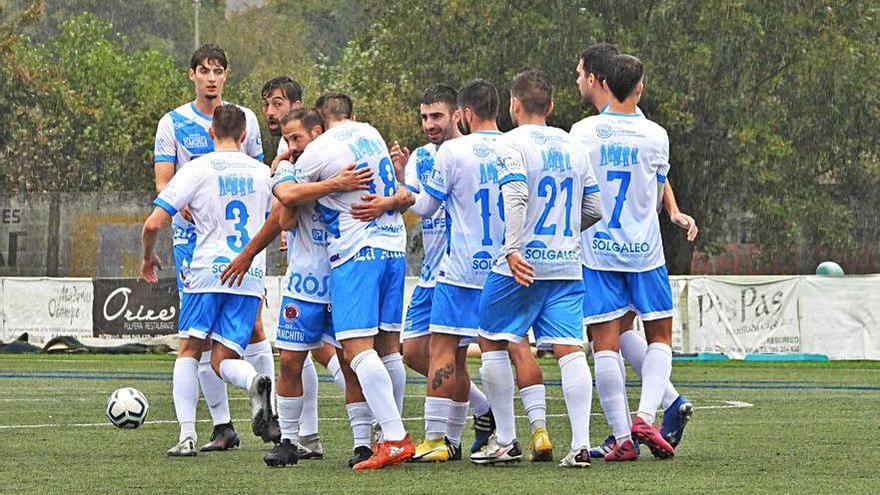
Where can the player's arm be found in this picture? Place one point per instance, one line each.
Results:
(236, 269)
(292, 193)
(157, 221)
(425, 204)
(163, 171)
(591, 209)
(516, 201)
(680, 219)
(374, 206)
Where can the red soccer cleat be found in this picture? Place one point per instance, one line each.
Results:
(389, 453)
(622, 452)
(649, 435)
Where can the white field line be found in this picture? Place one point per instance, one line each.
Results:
(724, 404)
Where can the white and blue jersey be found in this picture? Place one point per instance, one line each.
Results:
(329, 154)
(182, 136)
(630, 155)
(418, 171)
(229, 195)
(466, 177)
(558, 175)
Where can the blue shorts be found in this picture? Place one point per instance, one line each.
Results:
(456, 311)
(610, 295)
(226, 318)
(304, 325)
(552, 308)
(418, 314)
(367, 294)
(183, 255)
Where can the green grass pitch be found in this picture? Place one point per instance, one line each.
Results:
(772, 428)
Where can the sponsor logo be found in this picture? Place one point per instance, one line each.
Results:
(481, 262)
(344, 135)
(603, 244)
(618, 155)
(309, 284)
(221, 262)
(434, 223)
(538, 252)
(117, 305)
(488, 172)
(291, 312)
(195, 142)
(235, 185)
(556, 160)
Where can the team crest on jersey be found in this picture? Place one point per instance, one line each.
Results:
(603, 131)
(481, 150)
(218, 165)
(291, 312)
(539, 137)
(344, 135)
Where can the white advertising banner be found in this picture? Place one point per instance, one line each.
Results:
(47, 308)
(272, 307)
(840, 317)
(736, 316)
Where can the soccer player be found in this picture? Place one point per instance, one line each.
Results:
(183, 135)
(623, 256)
(440, 119)
(592, 69)
(549, 195)
(366, 246)
(228, 195)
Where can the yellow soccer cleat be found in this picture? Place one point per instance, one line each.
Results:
(432, 451)
(540, 448)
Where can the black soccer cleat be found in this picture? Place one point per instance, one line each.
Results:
(282, 454)
(224, 437)
(361, 453)
(454, 450)
(272, 433)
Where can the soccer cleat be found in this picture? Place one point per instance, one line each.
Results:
(576, 458)
(484, 427)
(606, 447)
(184, 448)
(224, 437)
(389, 454)
(495, 453)
(540, 448)
(454, 451)
(432, 451)
(361, 453)
(648, 435)
(675, 418)
(282, 454)
(273, 431)
(261, 408)
(622, 452)
(310, 447)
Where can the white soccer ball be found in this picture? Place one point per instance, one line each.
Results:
(127, 408)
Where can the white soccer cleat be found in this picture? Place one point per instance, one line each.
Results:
(576, 459)
(495, 453)
(184, 448)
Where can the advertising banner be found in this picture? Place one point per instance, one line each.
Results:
(46, 308)
(130, 307)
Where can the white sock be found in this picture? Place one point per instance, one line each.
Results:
(214, 391)
(633, 347)
(458, 413)
(622, 365)
(478, 401)
(655, 375)
(289, 411)
(185, 390)
(336, 372)
(308, 421)
(238, 372)
(259, 354)
(376, 386)
(361, 420)
(577, 388)
(609, 385)
(437, 413)
(534, 399)
(497, 375)
(394, 364)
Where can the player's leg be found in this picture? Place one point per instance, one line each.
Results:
(530, 381)
(290, 407)
(231, 333)
(326, 355)
(309, 439)
(416, 336)
(185, 391)
(259, 353)
(460, 401)
(359, 415)
(652, 296)
(387, 342)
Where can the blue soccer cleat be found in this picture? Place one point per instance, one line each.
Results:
(675, 418)
(484, 427)
(607, 446)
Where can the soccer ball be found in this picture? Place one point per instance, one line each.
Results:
(127, 408)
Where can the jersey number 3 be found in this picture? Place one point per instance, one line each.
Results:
(237, 212)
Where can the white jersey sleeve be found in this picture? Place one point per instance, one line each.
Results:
(420, 166)
(165, 149)
(179, 191)
(253, 140)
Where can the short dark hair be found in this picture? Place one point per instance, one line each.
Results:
(209, 52)
(481, 97)
(626, 72)
(228, 121)
(597, 59)
(533, 89)
(308, 116)
(291, 89)
(334, 104)
(440, 93)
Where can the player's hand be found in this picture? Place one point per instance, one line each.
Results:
(522, 271)
(235, 271)
(149, 267)
(399, 159)
(284, 155)
(373, 207)
(186, 215)
(352, 179)
(687, 223)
